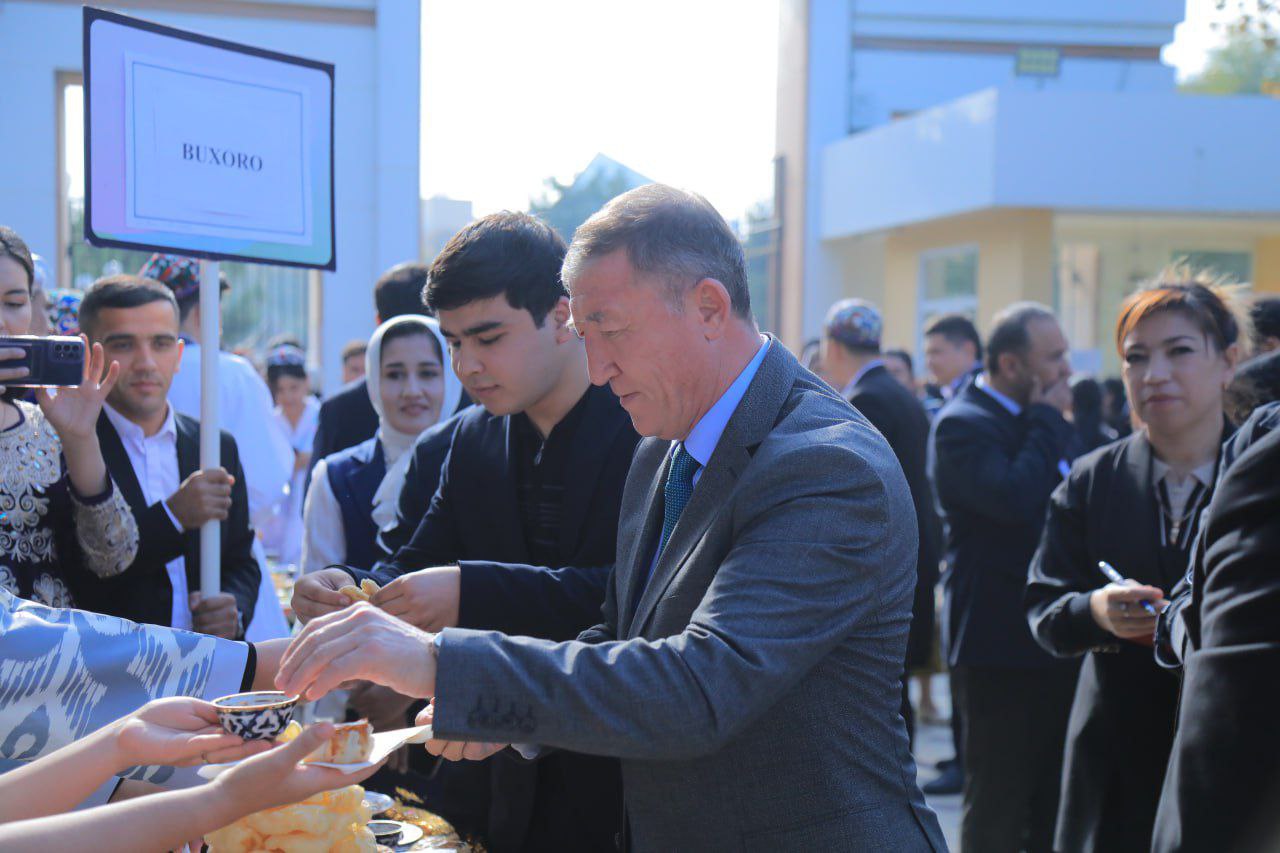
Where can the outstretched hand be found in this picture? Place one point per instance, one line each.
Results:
(178, 732)
(278, 778)
(74, 411)
(360, 643)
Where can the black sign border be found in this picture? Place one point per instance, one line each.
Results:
(91, 15)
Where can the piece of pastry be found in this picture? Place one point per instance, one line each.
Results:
(352, 743)
(360, 593)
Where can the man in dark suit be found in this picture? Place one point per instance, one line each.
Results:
(347, 418)
(997, 452)
(1222, 790)
(747, 664)
(852, 363)
(153, 455)
(533, 476)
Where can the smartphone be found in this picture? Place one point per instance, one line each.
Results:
(52, 362)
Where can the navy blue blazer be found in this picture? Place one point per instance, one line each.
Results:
(993, 474)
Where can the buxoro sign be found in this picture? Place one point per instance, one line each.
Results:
(204, 147)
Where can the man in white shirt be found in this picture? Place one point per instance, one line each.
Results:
(152, 453)
(245, 405)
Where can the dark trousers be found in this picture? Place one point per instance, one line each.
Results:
(1013, 731)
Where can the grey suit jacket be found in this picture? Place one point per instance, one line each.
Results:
(751, 687)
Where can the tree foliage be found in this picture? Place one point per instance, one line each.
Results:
(1248, 61)
(565, 206)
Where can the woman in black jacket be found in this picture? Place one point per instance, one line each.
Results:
(1134, 504)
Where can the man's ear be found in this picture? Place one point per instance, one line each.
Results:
(711, 300)
(182, 347)
(1008, 365)
(559, 317)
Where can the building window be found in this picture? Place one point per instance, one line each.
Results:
(1237, 266)
(948, 285)
(264, 300)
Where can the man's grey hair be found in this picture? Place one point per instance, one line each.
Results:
(666, 232)
(1009, 331)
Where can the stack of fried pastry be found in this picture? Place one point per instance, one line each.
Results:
(329, 822)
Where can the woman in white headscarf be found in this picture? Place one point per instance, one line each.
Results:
(354, 492)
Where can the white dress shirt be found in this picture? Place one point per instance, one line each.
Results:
(155, 463)
(245, 409)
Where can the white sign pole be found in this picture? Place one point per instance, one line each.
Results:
(210, 431)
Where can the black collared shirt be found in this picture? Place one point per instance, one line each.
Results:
(541, 476)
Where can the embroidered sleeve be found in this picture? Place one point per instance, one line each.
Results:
(107, 532)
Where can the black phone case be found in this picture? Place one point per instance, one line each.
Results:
(53, 362)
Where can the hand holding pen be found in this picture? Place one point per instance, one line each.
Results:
(1125, 607)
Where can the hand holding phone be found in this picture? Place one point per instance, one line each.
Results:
(73, 410)
(12, 365)
(30, 361)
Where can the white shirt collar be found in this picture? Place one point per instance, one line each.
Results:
(127, 429)
(706, 433)
(1161, 470)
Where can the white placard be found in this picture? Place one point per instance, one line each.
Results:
(234, 167)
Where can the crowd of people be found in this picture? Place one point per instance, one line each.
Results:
(655, 581)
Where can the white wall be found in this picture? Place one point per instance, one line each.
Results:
(1088, 151)
(884, 82)
(376, 107)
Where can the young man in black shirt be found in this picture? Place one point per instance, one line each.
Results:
(533, 476)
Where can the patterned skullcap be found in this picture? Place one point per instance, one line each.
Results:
(178, 273)
(286, 355)
(855, 323)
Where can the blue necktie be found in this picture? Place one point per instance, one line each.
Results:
(676, 492)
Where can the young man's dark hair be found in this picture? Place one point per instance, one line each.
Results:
(121, 291)
(513, 254)
(957, 329)
(398, 291)
(1265, 314)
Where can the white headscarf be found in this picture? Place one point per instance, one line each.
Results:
(395, 444)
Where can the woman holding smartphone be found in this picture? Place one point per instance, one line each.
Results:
(1134, 504)
(63, 523)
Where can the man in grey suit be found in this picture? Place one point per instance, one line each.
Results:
(746, 669)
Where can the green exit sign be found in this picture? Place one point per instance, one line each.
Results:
(1038, 61)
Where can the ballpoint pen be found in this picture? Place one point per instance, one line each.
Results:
(1115, 577)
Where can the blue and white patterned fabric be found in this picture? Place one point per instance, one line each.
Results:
(66, 673)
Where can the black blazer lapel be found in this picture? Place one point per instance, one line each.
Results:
(188, 445)
(589, 450)
(117, 461)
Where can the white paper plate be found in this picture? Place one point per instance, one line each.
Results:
(384, 743)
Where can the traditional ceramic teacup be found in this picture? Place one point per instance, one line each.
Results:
(262, 715)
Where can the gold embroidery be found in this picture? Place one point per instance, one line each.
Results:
(108, 533)
(29, 464)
